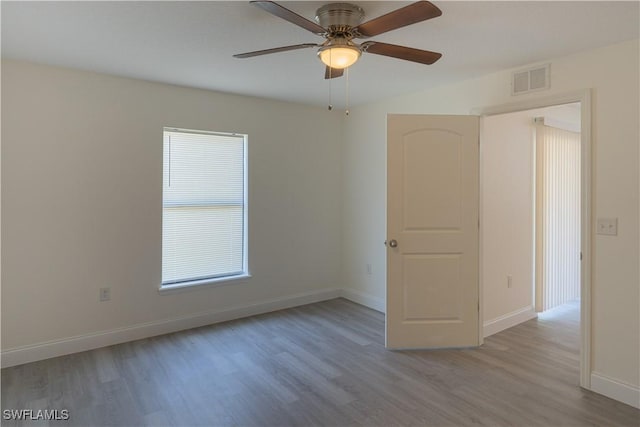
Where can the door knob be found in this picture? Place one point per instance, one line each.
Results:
(393, 243)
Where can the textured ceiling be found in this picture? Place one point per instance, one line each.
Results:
(192, 43)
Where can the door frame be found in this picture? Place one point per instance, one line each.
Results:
(586, 207)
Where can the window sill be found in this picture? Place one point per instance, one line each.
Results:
(201, 284)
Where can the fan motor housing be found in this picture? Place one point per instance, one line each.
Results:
(334, 16)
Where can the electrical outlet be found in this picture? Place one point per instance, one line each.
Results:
(608, 226)
(369, 269)
(509, 281)
(105, 294)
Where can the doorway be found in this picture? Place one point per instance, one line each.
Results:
(531, 211)
(508, 278)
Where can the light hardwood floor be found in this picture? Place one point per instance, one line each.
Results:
(320, 364)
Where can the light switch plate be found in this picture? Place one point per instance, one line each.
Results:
(608, 226)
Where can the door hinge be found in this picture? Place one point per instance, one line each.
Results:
(580, 255)
(478, 306)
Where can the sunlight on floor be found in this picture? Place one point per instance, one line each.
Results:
(572, 306)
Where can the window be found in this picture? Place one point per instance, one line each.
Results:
(204, 211)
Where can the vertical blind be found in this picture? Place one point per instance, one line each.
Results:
(204, 203)
(557, 216)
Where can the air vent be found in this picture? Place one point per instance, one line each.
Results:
(530, 80)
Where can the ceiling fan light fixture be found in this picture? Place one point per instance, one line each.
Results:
(340, 23)
(339, 57)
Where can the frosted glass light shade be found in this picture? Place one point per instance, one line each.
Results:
(339, 57)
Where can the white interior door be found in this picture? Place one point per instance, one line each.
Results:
(432, 231)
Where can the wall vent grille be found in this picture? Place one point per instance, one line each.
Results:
(530, 80)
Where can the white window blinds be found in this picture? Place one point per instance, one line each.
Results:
(557, 216)
(204, 206)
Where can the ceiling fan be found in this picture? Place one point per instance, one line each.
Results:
(339, 24)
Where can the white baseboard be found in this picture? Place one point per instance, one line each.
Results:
(508, 320)
(615, 389)
(365, 299)
(46, 350)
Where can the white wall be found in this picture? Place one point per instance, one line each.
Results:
(82, 199)
(507, 219)
(612, 73)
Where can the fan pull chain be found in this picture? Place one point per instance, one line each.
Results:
(330, 107)
(347, 92)
(330, 70)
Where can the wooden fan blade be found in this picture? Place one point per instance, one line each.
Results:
(284, 13)
(332, 73)
(274, 50)
(416, 12)
(401, 52)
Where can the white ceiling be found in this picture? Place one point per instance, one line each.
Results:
(192, 43)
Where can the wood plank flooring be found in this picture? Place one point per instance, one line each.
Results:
(322, 364)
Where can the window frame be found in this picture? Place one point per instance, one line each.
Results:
(217, 280)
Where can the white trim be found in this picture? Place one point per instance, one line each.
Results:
(365, 299)
(584, 97)
(615, 389)
(586, 236)
(534, 103)
(508, 320)
(45, 350)
(481, 144)
(204, 283)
